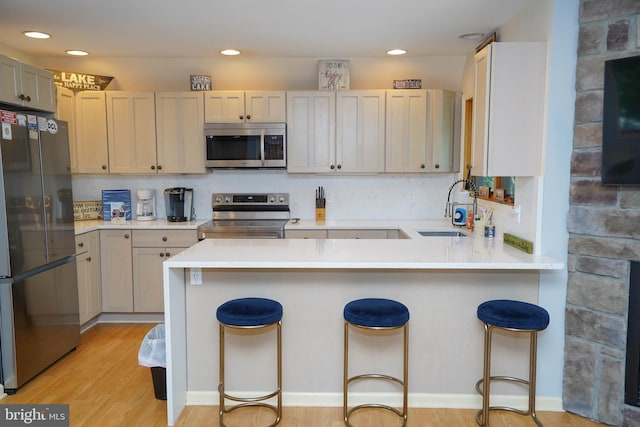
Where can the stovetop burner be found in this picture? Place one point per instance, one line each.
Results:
(247, 215)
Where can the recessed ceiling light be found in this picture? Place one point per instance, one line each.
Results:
(36, 34)
(471, 36)
(396, 52)
(77, 52)
(230, 52)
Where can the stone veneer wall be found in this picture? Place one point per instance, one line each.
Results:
(604, 229)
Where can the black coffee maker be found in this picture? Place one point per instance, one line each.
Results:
(178, 202)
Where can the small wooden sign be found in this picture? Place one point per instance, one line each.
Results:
(518, 243)
(200, 82)
(407, 84)
(499, 193)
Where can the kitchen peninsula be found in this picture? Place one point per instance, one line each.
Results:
(441, 279)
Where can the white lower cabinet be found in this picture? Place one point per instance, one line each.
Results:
(392, 233)
(117, 277)
(132, 267)
(89, 280)
(150, 249)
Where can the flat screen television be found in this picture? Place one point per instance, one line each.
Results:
(621, 122)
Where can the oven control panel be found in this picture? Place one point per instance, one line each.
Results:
(246, 199)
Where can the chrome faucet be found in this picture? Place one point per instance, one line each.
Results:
(449, 208)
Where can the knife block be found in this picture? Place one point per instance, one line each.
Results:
(320, 215)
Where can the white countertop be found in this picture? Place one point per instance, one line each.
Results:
(415, 253)
(98, 224)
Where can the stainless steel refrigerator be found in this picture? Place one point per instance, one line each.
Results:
(39, 321)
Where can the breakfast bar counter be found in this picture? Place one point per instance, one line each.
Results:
(441, 280)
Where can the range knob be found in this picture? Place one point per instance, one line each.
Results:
(227, 199)
(272, 199)
(218, 199)
(281, 199)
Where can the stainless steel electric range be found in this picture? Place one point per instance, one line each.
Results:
(247, 216)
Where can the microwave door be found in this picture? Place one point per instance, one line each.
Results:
(262, 159)
(227, 151)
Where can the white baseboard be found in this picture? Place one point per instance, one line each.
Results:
(416, 400)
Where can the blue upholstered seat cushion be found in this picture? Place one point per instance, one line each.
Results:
(513, 315)
(249, 312)
(376, 312)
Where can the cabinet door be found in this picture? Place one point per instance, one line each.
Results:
(92, 154)
(265, 106)
(117, 271)
(360, 131)
(38, 88)
(88, 265)
(311, 131)
(509, 109)
(224, 106)
(148, 293)
(406, 131)
(9, 81)
(131, 131)
(180, 132)
(444, 131)
(65, 110)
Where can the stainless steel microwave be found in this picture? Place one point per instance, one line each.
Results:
(248, 145)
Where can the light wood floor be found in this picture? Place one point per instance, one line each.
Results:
(104, 386)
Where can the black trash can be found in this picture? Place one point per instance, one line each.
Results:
(152, 354)
(159, 377)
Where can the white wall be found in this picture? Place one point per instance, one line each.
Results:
(349, 197)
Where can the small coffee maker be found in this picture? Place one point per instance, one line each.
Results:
(146, 208)
(179, 204)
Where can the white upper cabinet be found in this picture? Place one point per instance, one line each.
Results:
(237, 106)
(443, 130)
(509, 109)
(360, 131)
(65, 110)
(406, 135)
(311, 132)
(335, 132)
(90, 148)
(26, 86)
(180, 132)
(423, 131)
(131, 130)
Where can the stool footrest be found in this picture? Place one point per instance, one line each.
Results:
(500, 378)
(251, 399)
(251, 405)
(375, 406)
(375, 376)
(507, 408)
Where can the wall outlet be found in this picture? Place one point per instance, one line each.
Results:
(196, 276)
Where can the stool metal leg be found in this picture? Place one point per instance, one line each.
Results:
(483, 386)
(404, 382)
(251, 401)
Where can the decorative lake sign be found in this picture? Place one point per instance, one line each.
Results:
(200, 82)
(80, 81)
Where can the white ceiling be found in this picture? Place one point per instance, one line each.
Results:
(271, 28)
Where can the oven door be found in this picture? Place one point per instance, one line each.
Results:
(242, 229)
(246, 147)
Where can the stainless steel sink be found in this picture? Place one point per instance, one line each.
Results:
(442, 233)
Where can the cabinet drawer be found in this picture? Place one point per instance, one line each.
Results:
(305, 234)
(82, 243)
(357, 234)
(164, 238)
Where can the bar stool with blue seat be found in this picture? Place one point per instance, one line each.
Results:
(515, 316)
(250, 313)
(376, 314)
